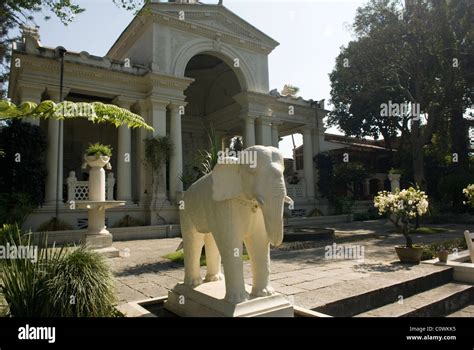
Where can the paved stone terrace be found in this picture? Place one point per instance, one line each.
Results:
(303, 275)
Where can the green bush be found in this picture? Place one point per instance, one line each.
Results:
(129, 221)
(343, 205)
(60, 282)
(15, 207)
(23, 281)
(370, 214)
(325, 167)
(80, 285)
(54, 224)
(452, 245)
(450, 189)
(449, 218)
(23, 164)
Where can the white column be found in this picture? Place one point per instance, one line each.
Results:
(275, 134)
(124, 166)
(316, 140)
(249, 135)
(52, 162)
(142, 177)
(110, 183)
(31, 94)
(55, 150)
(308, 162)
(124, 156)
(176, 159)
(264, 131)
(158, 121)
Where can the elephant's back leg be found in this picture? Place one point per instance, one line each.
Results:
(213, 259)
(193, 242)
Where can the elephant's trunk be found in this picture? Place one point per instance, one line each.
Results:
(273, 217)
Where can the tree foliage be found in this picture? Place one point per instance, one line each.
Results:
(23, 170)
(16, 13)
(350, 174)
(417, 52)
(325, 167)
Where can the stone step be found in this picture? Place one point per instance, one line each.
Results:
(467, 311)
(436, 302)
(376, 291)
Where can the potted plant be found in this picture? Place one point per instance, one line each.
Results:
(443, 255)
(98, 155)
(401, 207)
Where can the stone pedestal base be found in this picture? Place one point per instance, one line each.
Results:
(109, 252)
(101, 244)
(98, 241)
(207, 300)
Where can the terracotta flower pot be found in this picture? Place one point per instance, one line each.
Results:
(409, 255)
(443, 256)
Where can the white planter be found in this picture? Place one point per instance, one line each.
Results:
(95, 161)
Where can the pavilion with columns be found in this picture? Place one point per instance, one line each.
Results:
(183, 66)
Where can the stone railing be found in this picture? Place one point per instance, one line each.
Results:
(296, 191)
(79, 190)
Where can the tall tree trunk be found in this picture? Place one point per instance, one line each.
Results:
(418, 165)
(459, 137)
(417, 154)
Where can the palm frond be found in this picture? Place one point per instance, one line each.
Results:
(96, 112)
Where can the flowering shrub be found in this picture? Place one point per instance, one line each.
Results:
(469, 193)
(404, 205)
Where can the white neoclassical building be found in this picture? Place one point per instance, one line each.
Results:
(182, 66)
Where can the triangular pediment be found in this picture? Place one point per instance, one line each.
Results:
(215, 22)
(214, 17)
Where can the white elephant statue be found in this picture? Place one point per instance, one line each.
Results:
(235, 203)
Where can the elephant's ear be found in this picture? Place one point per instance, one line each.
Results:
(226, 180)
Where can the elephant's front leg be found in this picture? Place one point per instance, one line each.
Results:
(193, 242)
(258, 247)
(230, 246)
(213, 259)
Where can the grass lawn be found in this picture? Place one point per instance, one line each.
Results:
(424, 230)
(178, 257)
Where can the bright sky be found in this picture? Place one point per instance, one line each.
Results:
(310, 34)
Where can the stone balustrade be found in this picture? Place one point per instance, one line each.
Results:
(79, 190)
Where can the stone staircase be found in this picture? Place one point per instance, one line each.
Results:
(436, 302)
(432, 294)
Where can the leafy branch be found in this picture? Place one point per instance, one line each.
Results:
(95, 112)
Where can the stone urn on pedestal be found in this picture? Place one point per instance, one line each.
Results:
(97, 235)
(394, 179)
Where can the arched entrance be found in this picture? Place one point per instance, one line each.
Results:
(210, 105)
